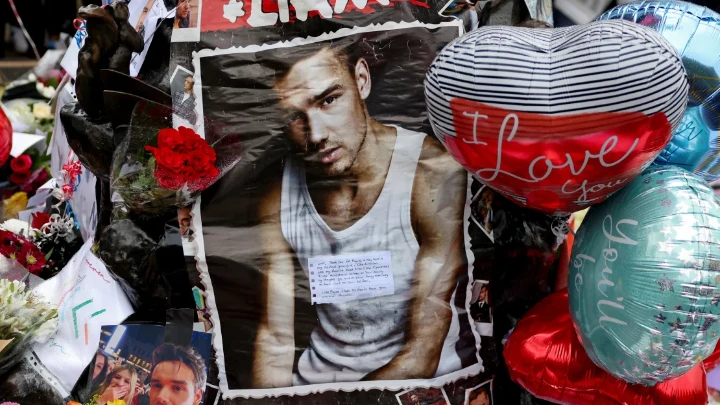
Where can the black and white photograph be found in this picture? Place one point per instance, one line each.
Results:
(182, 86)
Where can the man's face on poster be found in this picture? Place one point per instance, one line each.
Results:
(415, 399)
(173, 383)
(326, 116)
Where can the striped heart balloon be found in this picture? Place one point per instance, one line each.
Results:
(557, 119)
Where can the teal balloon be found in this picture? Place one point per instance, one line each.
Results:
(644, 277)
(694, 32)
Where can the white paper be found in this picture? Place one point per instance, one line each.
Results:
(86, 297)
(69, 62)
(22, 142)
(157, 12)
(83, 201)
(41, 195)
(350, 277)
(48, 62)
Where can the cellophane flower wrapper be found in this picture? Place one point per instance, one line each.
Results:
(157, 168)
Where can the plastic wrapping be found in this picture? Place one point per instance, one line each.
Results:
(157, 168)
(644, 275)
(694, 31)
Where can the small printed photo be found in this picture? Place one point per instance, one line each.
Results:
(423, 396)
(479, 395)
(487, 212)
(182, 85)
(480, 310)
(186, 24)
(185, 221)
(134, 365)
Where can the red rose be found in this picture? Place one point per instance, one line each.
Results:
(171, 161)
(39, 219)
(202, 162)
(31, 257)
(169, 138)
(19, 178)
(21, 164)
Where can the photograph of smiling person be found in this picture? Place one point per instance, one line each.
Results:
(119, 384)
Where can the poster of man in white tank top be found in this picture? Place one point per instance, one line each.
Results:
(336, 255)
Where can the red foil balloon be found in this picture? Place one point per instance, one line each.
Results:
(544, 355)
(6, 133)
(554, 164)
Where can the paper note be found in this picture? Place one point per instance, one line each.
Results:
(22, 142)
(86, 297)
(350, 277)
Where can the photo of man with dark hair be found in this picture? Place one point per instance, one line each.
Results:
(480, 308)
(178, 376)
(184, 98)
(355, 185)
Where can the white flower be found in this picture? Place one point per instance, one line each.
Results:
(23, 313)
(17, 227)
(46, 91)
(42, 111)
(22, 114)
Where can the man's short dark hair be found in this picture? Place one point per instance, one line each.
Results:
(348, 50)
(185, 355)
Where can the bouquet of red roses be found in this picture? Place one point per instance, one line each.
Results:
(169, 171)
(183, 160)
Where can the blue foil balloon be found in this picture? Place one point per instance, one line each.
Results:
(694, 31)
(644, 277)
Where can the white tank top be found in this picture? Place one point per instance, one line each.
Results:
(355, 338)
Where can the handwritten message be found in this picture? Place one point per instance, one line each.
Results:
(350, 277)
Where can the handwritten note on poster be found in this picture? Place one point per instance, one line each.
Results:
(350, 277)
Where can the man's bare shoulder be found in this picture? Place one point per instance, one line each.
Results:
(440, 185)
(435, 161)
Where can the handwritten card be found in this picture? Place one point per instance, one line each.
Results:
(350, 277)
(86, 297)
